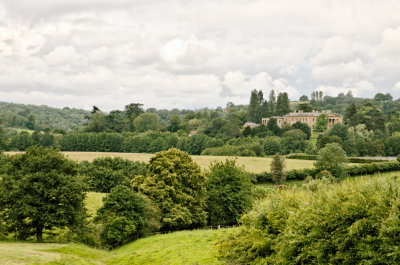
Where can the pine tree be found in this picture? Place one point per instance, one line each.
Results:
(282, 105)
(285, 103)
(253, 107)
(313, 95)
(272, 103)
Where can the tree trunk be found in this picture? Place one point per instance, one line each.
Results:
(39, 235)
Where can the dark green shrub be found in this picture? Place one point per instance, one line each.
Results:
(272, 145)
(124, 216)
(228, 150)
(105, 173)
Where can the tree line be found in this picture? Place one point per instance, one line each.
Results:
(371, 128)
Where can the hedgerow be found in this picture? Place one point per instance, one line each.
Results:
(301, 174)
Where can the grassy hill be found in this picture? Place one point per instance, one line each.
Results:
(183, 247)
(17, 116)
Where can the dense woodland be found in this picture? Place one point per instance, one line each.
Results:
(371, 127)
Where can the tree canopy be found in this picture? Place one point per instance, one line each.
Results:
(229, 193)
(41, 191)
(177, 186)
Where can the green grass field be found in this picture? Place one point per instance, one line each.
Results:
(251, 164)
(184, 247)
(93, 201)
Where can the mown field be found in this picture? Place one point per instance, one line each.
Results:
(251, 164)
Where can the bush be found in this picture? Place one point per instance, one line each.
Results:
(123, 216)
(229, 193)
(229, 151)
(350, 159)
(301, 156)
(301, 174)
(272, 145)
(332, 158)
(105, 173)
(352, 222)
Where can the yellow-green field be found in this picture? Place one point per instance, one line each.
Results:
(251, 164)
(93, 201)
(184, 247)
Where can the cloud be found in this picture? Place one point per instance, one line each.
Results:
(240, 85)
(397, 86)
(191, 54)
(63, 55)
(359, 89)
(349, 71)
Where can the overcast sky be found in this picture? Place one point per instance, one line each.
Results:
(192, 54)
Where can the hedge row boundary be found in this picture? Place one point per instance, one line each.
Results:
(301, 174)
(350, 159)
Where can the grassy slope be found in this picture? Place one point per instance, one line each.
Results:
(93, 201)
(184, 247)
(252, 164)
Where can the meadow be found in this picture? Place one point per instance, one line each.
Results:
(251, 164)
(183, 247)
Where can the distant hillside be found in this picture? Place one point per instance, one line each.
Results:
(41, 117)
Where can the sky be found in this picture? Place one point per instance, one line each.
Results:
(193, 54)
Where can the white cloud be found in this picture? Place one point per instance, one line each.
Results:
(63, 55)
(240, 85)
(397, 86)
(360, 89)
(336, 50)
(289, 70)
(193, 53)
(349, 71)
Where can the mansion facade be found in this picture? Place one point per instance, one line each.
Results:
(307, 117)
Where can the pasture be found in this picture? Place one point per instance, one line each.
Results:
(251, 164)
(183, 247)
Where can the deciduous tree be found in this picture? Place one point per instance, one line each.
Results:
(177, 186)
(41, 191)
(229, 193)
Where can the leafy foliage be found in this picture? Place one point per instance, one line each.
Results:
(332, 158)
(124, 215)
(229, 193)
(278, 169)
(353, 222)
(322, 122)
(41, 191)
(177, 186)
(105, 173)
(40, 117)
